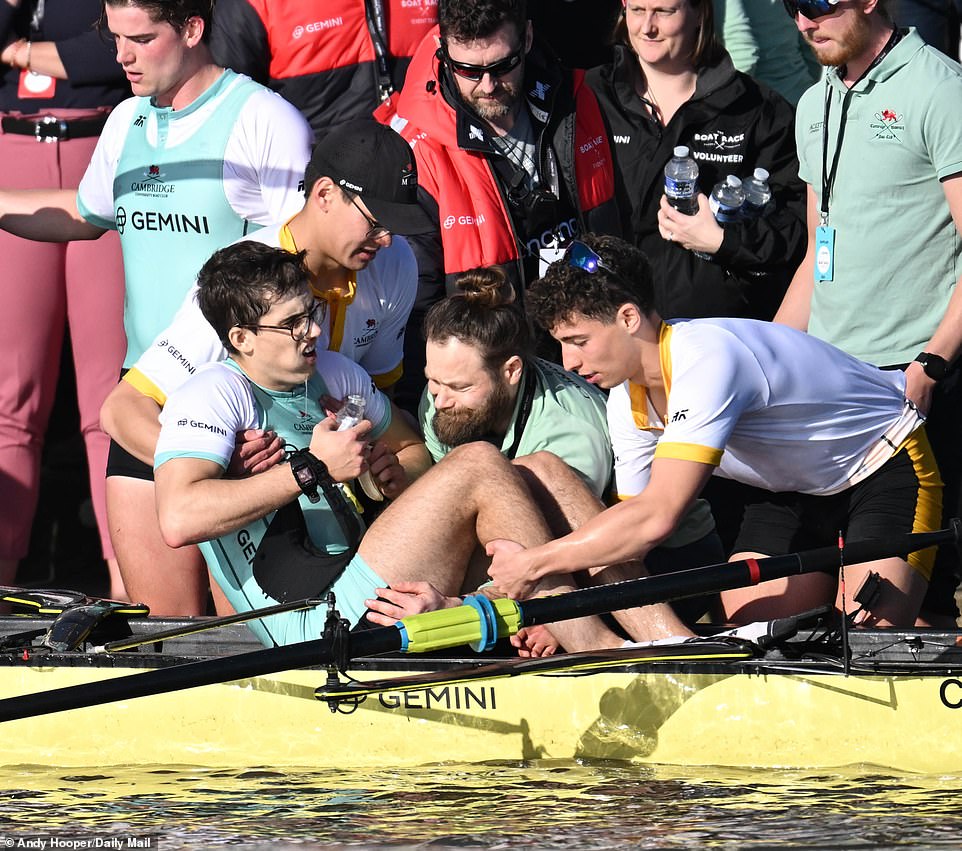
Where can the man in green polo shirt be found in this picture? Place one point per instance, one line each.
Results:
(880, 146)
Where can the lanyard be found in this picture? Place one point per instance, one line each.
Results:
(828, 176)
(377, 28)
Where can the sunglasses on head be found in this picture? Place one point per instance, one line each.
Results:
(811, 9)
(580, 256)
(474, 73)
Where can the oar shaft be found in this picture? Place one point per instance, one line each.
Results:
(715, 578)
(193, 674)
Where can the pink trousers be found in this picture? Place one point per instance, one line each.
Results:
(42, 286)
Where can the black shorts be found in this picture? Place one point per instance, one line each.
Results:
(904, 495)
(121, 463)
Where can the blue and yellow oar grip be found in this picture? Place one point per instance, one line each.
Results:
(480, 622)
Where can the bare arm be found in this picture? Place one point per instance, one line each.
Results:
(621, 533)
(196, 503)
(45, 215)
(947, 339)
(39, 56)
(796, 307)
(131, 419)
(407, 444)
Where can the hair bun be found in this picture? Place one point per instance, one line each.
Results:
(488, 287)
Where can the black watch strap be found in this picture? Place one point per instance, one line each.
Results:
(307, 471)
(934, 366)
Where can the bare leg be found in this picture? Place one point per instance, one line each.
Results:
(117, 590)
(777, 598)
(567, 504)
(472, 496)
(897, 605)
(170, 581)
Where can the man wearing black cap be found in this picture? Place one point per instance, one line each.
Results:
(360, 189)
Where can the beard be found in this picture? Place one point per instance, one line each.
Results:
(501, 103)
(849, 45)
(457, 426)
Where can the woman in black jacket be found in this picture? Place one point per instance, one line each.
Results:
(671, 83)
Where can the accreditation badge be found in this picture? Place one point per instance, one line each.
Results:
(824, 253)
(33, 85)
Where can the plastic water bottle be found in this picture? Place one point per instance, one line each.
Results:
(758, 194)
(681, 182)
(726, 200)
(349, 416)
(351, 413)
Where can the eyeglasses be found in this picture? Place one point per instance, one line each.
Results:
(297, 326)
(811, 9)
(377, 231)
(580, 256)
(474, 73)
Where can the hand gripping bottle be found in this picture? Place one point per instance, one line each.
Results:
(349, 416)
(681, 182)
(758, 194)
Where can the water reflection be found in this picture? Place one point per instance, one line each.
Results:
(541, 804)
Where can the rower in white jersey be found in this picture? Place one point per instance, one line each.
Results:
(360, 188)
(825, 441)
(369, 300)
(199, 157)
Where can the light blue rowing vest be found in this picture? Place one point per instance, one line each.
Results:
(292, 414)
(170, 206)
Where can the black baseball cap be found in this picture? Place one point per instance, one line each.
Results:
(369, 159)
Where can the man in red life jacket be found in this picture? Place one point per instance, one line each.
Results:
(511, 148)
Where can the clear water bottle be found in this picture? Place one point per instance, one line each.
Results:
(349, 416)
(758, 194)
(681, 182)
(726, 200)
(351, 413)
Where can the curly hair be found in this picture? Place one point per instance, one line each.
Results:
(483, 314)
(566, 291)
(241, 282)
(470, 20)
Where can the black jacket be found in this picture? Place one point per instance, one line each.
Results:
(731, 124)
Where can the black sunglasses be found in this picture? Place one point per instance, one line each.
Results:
(474, 73)
(811, 9)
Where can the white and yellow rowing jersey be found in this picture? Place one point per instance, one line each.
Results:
(766, 405)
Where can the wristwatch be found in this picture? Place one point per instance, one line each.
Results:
(307, 471)
(934, 366)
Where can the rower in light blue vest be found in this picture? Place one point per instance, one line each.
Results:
(182, 183)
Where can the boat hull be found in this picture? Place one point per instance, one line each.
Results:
(694, 708)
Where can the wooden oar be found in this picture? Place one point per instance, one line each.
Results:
(478, 623)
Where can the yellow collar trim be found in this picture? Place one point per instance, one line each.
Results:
(644, 415)
(338, 300)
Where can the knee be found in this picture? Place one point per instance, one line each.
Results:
(545, 465)
(477, 456)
